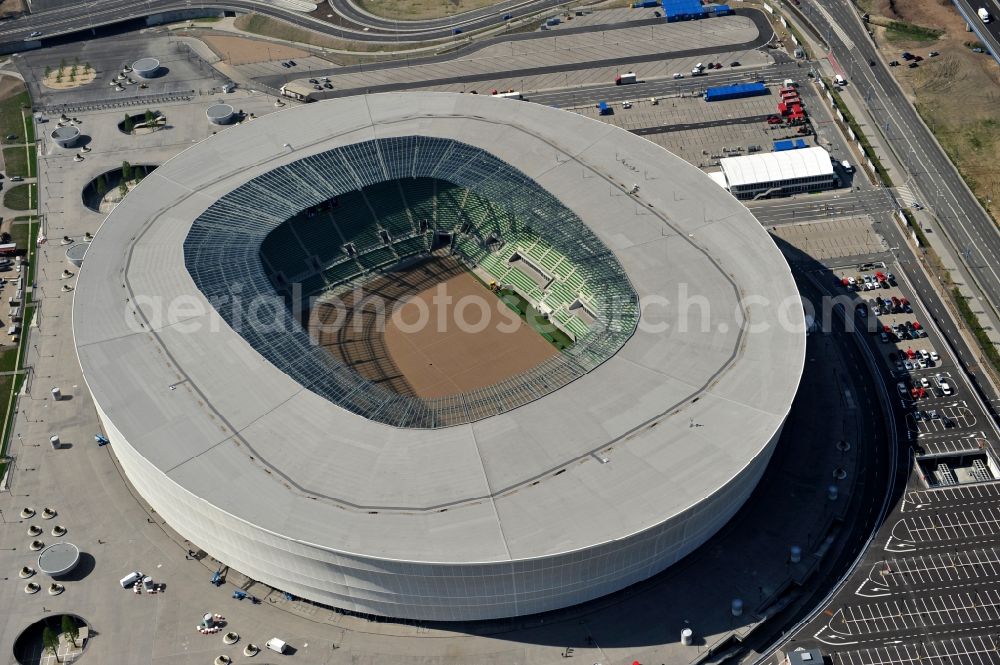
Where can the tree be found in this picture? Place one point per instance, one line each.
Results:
(101, 186)
(50, 642)
(127, 124)
(126, 171)
(123, 189)
(150, 118)
(70, 629)
(48, 70)
(86, 67)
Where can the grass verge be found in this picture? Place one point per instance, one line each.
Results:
(420, 9)
(20, 197)
(11, 114)
(972, 321)
(12, 121)
(265, 26)
(15, 161)
(6, 386)
(30, 254)
(19, 235)
(8, 359)
(901, 31)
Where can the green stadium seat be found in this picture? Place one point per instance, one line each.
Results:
(377, 258)
(412, 245)
(577, 327)
(355, 222)
(318, 235)
(283, 252)
(341, 272)
(523, 284)
(313, 285)
(390, 208)
(419, 195)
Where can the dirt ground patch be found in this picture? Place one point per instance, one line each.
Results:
(243, 51)
(69, 79)
(12, 7)
(420, 9)
(10, 86)
(957, 93)
(449, 334)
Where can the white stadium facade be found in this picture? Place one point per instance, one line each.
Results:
(588, 474)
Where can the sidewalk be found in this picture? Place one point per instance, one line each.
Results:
(936, 236)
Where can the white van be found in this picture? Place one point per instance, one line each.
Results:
(839, 80)
(847, 166)
(130, 579)
(678, 75)
(274, 644)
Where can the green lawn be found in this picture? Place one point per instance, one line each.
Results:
(15, 161)
(6, 385)
(10, 116)
(32, 243)
(7, 359)
(19, 235)
(20, 197)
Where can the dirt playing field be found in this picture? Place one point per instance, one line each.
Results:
(442, 333)
(956, 92)
(243, 51)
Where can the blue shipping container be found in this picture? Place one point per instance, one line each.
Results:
(781, 146)
(603, 108)
(735, 91)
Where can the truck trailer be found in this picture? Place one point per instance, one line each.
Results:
(735, 91)
(625, 79)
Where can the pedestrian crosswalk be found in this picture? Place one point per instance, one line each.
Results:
(905, 195)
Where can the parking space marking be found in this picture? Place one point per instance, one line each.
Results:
(976, 650)
(968, 444)
(926, 528)
(961, 416)
(963, 495)
(937, 568)
(892, 616)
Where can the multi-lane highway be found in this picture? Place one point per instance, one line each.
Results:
(353, 24)
(989, 32)
(929, 172)
(839, 203)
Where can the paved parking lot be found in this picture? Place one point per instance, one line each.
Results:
(978, 650)
(834, 238)
(961, 417)
(918, 613)
(630, 48)
(967, 444)
(936, 570)
(928, 530)
(978, 494)
(703, 132)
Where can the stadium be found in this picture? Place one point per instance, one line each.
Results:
(269, 326)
